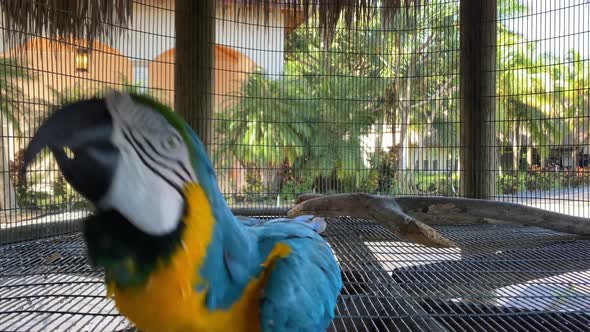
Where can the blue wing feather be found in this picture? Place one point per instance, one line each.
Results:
(315, 223)
(301, 292)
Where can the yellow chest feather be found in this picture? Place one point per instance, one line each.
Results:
(169, 302)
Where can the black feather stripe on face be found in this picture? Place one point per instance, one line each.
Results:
(141, 152)
(113, 242)
(153, 154)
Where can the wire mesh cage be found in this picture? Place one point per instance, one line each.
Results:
(371, 107)
(503, 279)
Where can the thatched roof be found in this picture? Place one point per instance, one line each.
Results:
(89, 19)
(80, 19)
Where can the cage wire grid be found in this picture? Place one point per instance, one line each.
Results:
(521, 279)
(378, 111)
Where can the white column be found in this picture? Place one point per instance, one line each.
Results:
(140, 74)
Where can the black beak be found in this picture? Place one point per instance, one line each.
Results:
(85, 128)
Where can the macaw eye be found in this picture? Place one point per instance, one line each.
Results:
(171, 142)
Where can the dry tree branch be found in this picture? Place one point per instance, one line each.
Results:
(435, 210)
(383, 210)
(409, 216)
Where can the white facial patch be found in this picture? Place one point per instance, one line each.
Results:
(153, 167)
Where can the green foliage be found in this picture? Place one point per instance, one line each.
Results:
(538, 179)
(254, 189)
(577, 178)
(28, 197)
(10, 94)
(293, 187)
(381, 177)
(371, 183)
(541, 96)
(269, 125)
(311, 120)
(63, 193)
(314, 118)
(294, 120)
(25, 196)
(445, 187)
(60, 189)
(294, 184)
(508, 184)
(526, 99)
(59, 196)
(437, 183)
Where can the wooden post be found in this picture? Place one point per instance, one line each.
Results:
(478, 107)
(194, 76)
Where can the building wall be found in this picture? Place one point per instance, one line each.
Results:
(416, 156)
(153, 26)
(435, 159)
(151, 33)
(231, 69)
(264, 45)
(51, 70)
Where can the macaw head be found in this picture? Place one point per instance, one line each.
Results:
(131, 157)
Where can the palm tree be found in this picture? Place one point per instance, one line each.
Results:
(312, 119)
(9, 107)
(314, 126)
(574, 78)
(525, 97)
(421, 89)
(271, 124)
(331, 96)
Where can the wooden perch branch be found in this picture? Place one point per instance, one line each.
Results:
(383, 210)
(409, 216)
(483, 211)
(306, 197)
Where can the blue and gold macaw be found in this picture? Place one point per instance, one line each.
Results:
(174, 255)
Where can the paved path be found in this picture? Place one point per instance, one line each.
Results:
(572, 201)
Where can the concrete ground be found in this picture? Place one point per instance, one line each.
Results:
(571, 201)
